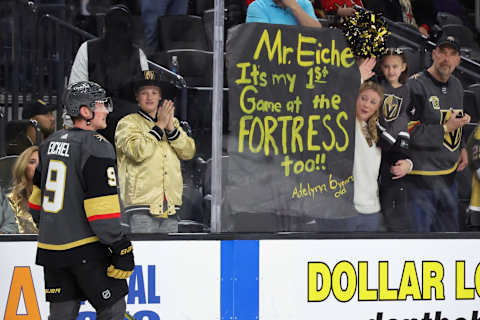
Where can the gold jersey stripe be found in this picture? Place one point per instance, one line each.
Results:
(68, 245)
(435, 173)
(36, 196)
(102, 205)
(475, 197)
(412, 124)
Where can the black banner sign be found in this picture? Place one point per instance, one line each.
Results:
(292, 117)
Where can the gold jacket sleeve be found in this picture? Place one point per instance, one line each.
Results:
(184, 145)
(134, 140)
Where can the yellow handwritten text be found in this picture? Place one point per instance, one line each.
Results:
(308, 52)
(339, 186)
(260, 133)
(308, 191)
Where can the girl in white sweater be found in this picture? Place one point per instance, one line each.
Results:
(367, 214)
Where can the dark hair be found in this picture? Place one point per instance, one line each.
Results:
(399, 53)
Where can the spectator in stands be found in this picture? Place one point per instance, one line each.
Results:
(40, 112)
(367, 214)
(436, 141)
(395, 10)
(366, 163)
(425, 15)
(150, 145)
(341, 8)
(367, 159)
(23, 171)
(152, 10)
(7, 217)
(393, 120)
(112, 61)
(318, 9)
(289, 12)
(425, 12)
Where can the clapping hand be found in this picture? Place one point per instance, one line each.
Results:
(165, 115)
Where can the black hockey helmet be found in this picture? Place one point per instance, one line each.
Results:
(84, 93)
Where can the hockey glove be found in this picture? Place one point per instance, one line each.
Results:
(122, 260)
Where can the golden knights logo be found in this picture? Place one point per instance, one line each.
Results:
(99, 137)
(435, 102)
(149, 75)
(452, 139)
(391, 107)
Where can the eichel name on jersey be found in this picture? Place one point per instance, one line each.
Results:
(58, 148)
(75, 196)
(434, 152)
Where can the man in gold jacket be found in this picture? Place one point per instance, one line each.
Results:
(150, 145)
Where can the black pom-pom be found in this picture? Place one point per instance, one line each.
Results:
(366, 33)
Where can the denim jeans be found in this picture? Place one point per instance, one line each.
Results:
(434, 209)
(145, 223)
(372, 222)
(152, 9)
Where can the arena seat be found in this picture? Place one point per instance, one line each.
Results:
(414, 59)
(462, 34)
(208, 24)
(444, 18)
(475, 88)
(191, 34)
(195, 66)
(471, 105)
(234, 15)
(201, 6)
(403, 32)
(471, 53)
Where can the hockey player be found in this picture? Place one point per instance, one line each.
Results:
(436, 141)
(80, 243)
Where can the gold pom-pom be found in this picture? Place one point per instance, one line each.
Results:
(366, 33)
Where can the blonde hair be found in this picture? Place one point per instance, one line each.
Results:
(22, 188)
(372, 121)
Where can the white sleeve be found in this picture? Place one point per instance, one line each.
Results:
(143, 60)
(80, 65)
(478, 173)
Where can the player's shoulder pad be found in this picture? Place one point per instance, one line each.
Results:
(97, 145)
(56, 135)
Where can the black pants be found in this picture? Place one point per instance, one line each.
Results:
(86, 281)
(393, 199)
